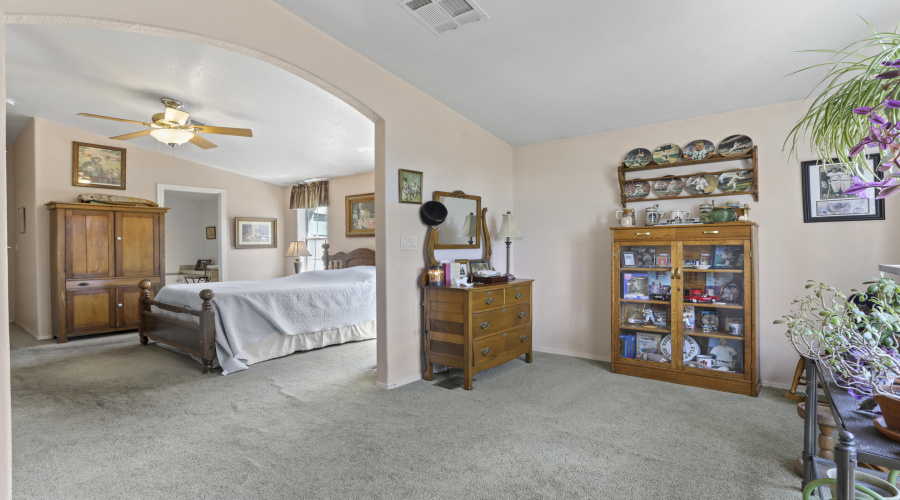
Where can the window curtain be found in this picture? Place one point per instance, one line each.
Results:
(309, 195)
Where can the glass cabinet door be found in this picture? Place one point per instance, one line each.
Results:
(714, 309)
(644, 301)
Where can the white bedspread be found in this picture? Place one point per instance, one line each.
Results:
(247, 311)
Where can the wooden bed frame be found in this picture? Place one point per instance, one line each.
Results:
(200, 339)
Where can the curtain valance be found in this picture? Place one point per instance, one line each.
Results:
(309, 195)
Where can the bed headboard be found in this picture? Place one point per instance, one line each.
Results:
(340, 260)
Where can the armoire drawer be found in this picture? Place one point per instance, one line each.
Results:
(498, 320)
(501, 344)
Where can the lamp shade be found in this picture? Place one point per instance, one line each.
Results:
(172, 135)
(297, 249)
(470, 227)
(508, 228)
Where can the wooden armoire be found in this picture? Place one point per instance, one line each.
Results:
(98, 255)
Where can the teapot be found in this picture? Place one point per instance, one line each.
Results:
(626, 217)
(652, 215)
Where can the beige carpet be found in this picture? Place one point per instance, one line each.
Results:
(107, 418)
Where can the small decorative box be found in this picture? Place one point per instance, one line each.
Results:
(490, 280)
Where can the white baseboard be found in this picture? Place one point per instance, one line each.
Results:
(29, 332)
(573, 354)
(398, 384)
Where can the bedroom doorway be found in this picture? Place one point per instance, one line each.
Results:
(195, 232)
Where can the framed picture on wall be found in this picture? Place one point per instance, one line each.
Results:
(824, 199)
(360, 214)
(255, 232)
(97, 166)
(211, 232)
(410, 186)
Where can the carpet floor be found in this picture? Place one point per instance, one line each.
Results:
(107, 418)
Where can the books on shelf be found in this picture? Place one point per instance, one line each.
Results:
(636, 286)
(647, 342)
(626, 345)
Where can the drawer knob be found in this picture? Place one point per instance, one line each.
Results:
(523, 338)
(518, 295)
(84, 284)
(488, 293)
(118, 237)
(485, 325)
(521, 314)
(489, 300)
(486, 351)
(120, 305)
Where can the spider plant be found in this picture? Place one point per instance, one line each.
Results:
(861, 83)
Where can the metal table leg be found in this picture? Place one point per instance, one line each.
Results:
(845, 459)
(809, 423)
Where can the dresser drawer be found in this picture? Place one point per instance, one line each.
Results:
(498, 320)
(644, 233)
(501, 344)
(694, 233)
(518, 294)
(488, 299)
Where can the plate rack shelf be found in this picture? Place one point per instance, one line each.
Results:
(753, 190)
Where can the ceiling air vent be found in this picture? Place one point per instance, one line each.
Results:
(442, 16)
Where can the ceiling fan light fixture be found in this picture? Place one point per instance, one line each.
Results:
(173, 136)
(176, 116)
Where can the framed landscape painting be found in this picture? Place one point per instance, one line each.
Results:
(360, 214)
(824, 199)
(98, 166)
(255, 232)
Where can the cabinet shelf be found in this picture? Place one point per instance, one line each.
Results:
(711, 270)
(753, 190)
(713, 304)
(716, 335)
(645, 328)
(624, 269)
(641, 301)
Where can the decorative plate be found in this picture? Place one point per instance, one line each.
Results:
(667, 153)
(735, 182)
(701, 184)
(710, 321)
(735, 145)
(730, 293)
(668, 187)
(636, 190)
(639, 157)
(691, 347)
(698, 150)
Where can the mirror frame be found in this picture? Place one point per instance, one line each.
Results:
(459, 194)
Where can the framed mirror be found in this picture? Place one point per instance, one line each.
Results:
(462, 228)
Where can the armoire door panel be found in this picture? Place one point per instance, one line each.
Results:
(90, 310)
(127, 311)
(137, 244)
(89, 244)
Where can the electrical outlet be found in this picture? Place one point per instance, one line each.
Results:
(408, 243)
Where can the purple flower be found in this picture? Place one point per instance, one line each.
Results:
(862, 110)
(892, 103)
(890, 191)
(877, 119)
(857, 149)
(888, 75)
(895, 64)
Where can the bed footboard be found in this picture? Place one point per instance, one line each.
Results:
(195, 339)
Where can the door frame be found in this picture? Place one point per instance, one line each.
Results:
(222, 217)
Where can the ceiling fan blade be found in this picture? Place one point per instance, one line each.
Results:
(131, 135)
(206, 129)
(201, 142)
(116, 119)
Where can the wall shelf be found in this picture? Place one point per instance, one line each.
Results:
(753, 190)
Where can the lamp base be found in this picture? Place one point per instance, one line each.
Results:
(296, 268)
(510, 276)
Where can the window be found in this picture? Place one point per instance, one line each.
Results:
(316, 221)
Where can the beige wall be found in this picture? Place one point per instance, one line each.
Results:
(567, 191)
(51, 165)
(11, 230)
(338, 189)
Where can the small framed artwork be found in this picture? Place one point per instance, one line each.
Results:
(360, 214)
(628, 259)
(464, 268)
(211, 232)
(20, 219)
(479, 265)
(98, 166)
(727, 257)
(662, 260)
(410, 186)
(824, 197)
(201, 264)
(255, 232)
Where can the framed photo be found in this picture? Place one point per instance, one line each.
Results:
(255, 232)
(211, 232)
(823, 192)
(628, 259)
(201, 264)
(98, 166)
(464, 269)
(662, 260)
(20, 219)
(644, 256)
(726, 257)
(479, 265)
(410, 186)
(360, 214)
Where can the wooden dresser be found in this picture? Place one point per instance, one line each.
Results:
(98, 254)
(477, 328)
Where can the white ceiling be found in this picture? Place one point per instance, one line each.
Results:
(299, 130)
(538, 70)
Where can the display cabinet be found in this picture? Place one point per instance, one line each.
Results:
(690, 290)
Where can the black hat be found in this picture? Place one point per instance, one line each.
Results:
(433, 213)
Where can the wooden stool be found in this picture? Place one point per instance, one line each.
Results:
(798, 379)
(826, 423)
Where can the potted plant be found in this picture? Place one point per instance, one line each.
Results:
(857, 339)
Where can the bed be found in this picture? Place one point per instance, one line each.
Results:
(238, 323)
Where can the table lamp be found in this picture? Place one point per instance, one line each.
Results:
(470, 228)
(297, 249)
(509, 230)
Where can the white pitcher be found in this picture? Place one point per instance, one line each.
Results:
(626, 217)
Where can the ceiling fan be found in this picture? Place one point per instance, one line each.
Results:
(173, 127)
